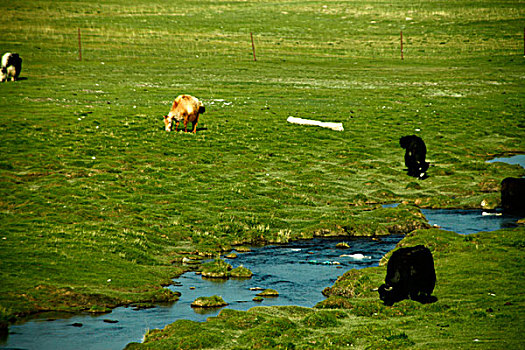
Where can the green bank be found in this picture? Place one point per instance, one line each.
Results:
(99, 204)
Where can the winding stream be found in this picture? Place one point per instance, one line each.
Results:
(298, 270)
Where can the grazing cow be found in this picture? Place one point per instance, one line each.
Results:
(409, 274)
(11, 67)
(415, 154)
(186, 108)
(513, 195)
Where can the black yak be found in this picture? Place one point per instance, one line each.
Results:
(415, 154)
(410, 274)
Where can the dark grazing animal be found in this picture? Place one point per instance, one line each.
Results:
(409, 274)
(513, 195)
(415, 154)
(11, 67)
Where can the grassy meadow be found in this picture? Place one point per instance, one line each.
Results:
(98, 204)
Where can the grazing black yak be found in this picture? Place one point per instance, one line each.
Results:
(409, 274)
(415, 154)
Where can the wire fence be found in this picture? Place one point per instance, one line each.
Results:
(243, 46)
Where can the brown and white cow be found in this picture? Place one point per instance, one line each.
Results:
(186, 108)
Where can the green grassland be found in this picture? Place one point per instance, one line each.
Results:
(98, 203)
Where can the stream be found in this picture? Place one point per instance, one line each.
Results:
(299, 271)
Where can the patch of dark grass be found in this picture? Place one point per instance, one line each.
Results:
(393, 341)
(321, 319)
(186, 335)
(268, 334)
(237, 320)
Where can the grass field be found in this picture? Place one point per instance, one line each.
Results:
(98, 202)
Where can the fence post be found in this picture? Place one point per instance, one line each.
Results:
(79, 46)
(253, 47)
(402, 58)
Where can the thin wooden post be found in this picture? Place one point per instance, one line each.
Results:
(402, 58)
(523, 42)
(253, 47)
(79, 46)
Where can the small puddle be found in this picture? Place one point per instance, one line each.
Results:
(517, 159)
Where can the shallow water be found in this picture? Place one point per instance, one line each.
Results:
(299, 271)
(517, 159)
(469, 221)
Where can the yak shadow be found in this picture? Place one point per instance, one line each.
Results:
(416, 177)
(426, 299)
(189, 130)
(17, 79)
(421, 299)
